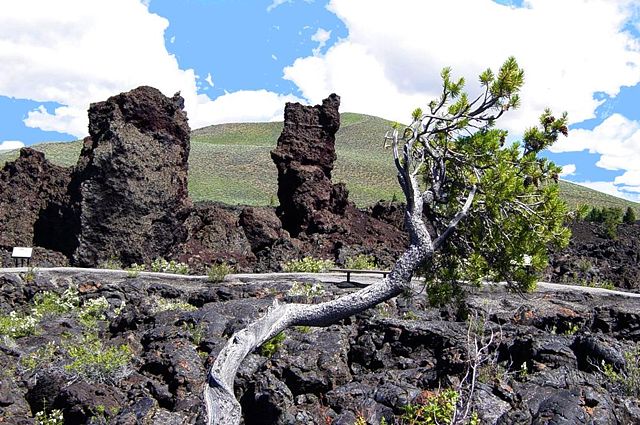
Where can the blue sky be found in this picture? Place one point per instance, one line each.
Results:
(238, 60)
(245, 48)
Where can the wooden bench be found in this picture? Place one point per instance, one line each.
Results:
(384, 273)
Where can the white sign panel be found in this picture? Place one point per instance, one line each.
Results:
(21, 252)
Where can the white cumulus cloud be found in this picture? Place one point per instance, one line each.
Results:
(616, 140)
(209, 80)
(390, 62)
(570, 50)
(245, 106)
(611, 189)
(321, 36)
(276, 3)
(75, 52)
(8, 145)
(568, 170)
(358, 77)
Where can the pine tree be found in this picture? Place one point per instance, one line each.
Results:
(629, 216)
(475, 210)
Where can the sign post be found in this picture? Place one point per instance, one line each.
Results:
(21, 253)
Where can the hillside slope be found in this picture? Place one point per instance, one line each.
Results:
(231, 163)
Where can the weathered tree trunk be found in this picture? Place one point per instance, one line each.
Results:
(222, 406)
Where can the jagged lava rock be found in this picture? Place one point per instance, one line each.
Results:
(594, 258)
(261, 226)
(214, 235)
(304, 157)
(271, 245)
(369, 365)
(131, 178)
(28, 186)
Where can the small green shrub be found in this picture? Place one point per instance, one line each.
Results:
(217, 272)
(160, 265)
(629, 216)
(54, 417)
(611, 217)
(271, 346)
(384, 310)
(196, 331)
(626, 380)
(92, 361)
(48, 302)
(523, 372)
(584, 265)
(605, 214)
(118, 310)
(15, 325)
(605, 284)
(165, 304)
(582, 212)
(41, 356)
(112, 263)
(134, 270)
(361, 262)
(441, 293)
(102, 415)
(410, 315)
(71, 297)
(435, 408)
(572, 330)
(491, 372)
(307, 290)
(29, 276)
(308, 265)
(92, 311)
(593, 283)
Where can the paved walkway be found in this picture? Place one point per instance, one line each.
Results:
(361, 279)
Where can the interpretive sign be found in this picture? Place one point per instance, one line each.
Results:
(21, 253)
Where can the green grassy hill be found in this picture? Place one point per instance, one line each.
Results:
(231, 163)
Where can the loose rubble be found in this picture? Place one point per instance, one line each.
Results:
(544, 364)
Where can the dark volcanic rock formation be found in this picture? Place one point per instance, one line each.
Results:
(595, 259)
(316, 212)
(304, 156)
(29, 187)
(131, 178)
(271, 245)
(214, 235)
(544, 365)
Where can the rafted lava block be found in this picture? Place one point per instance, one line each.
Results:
(304, 157)
(131, 178)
